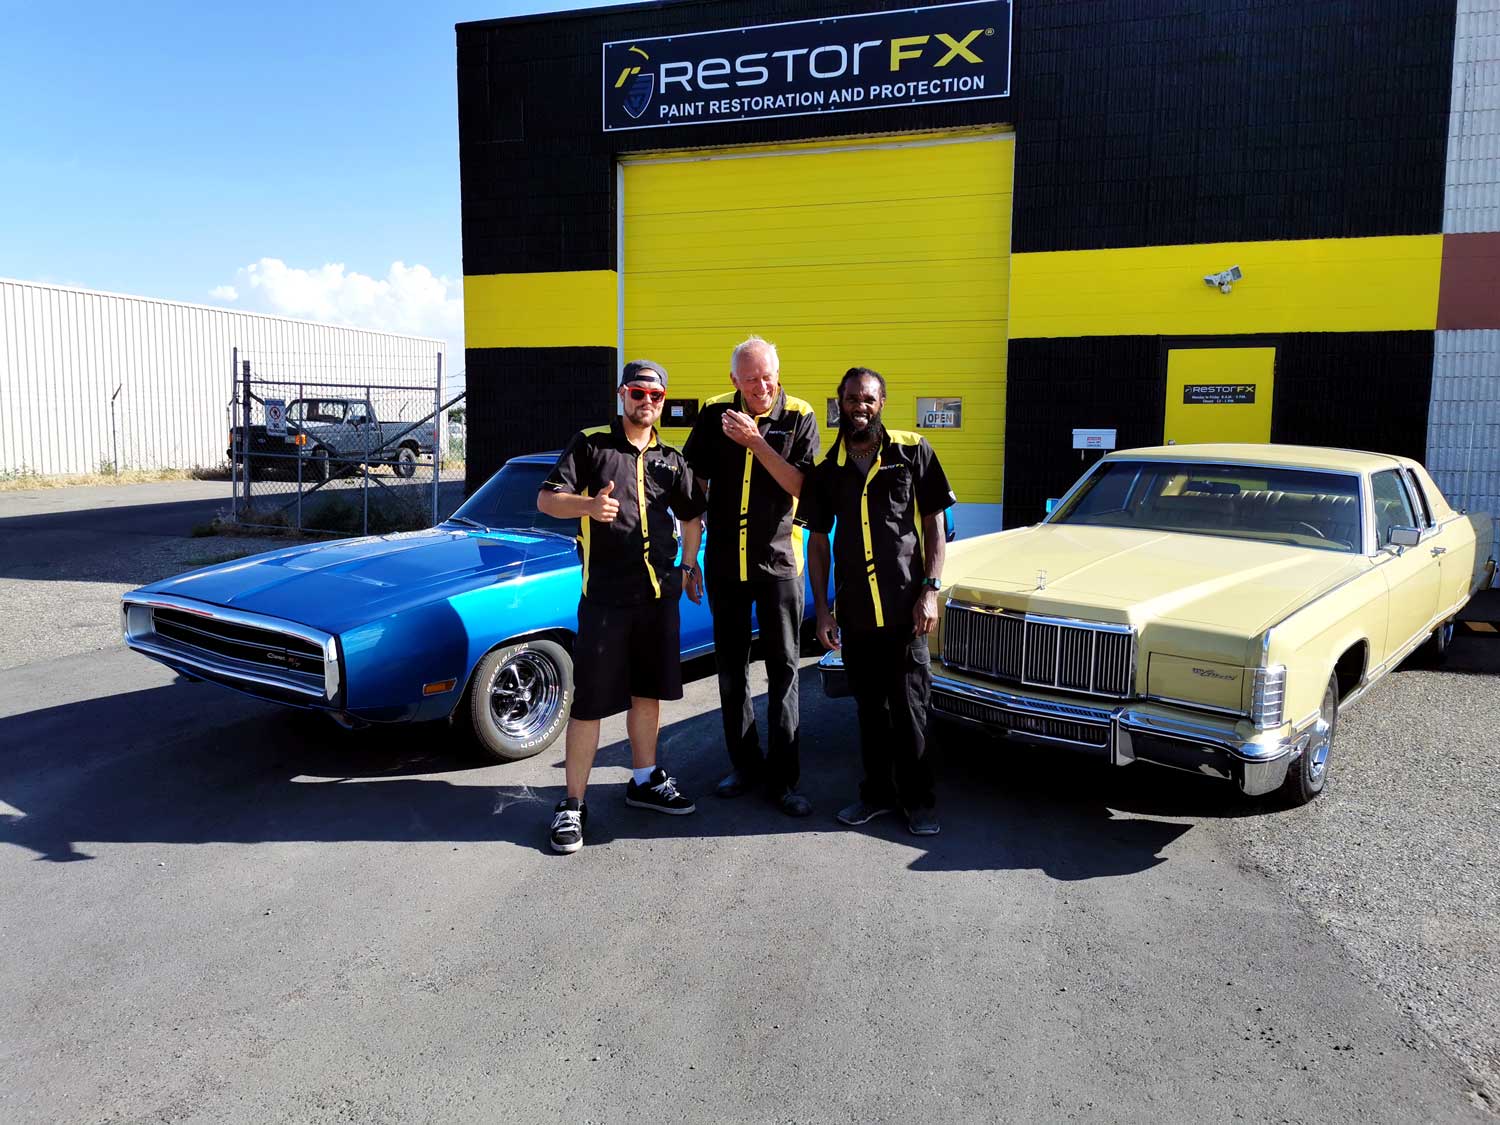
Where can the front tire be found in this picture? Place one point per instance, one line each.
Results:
(519, 699)
(1309, 773)
(405, 465)
(316, 471)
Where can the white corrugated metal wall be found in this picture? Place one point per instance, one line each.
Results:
(1463, 423)
(63, 352)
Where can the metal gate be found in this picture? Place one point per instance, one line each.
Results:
(355, 456)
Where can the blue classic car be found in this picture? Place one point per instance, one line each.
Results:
(472, 619)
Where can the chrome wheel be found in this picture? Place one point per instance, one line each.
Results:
(1308, 772)
(525, 695)
(1322, 737)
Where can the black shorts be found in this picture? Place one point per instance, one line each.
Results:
(622, 651)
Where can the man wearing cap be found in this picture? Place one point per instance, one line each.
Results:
(753, 446)
(624, 484)
(886, 492)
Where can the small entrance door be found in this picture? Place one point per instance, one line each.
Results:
(1219, 394)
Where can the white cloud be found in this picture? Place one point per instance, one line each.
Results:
(224, 293)
(410, 300)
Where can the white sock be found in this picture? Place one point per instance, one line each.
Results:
(643, 774)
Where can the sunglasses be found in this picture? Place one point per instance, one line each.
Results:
(639, 395)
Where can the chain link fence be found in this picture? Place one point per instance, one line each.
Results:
(336, 444)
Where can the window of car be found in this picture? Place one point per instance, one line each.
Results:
(1424, 509)
(1301, 507)
(508, 499)
(1392, 505)
(317, 410)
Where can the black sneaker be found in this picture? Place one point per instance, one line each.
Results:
(567, 825)
(659, 794)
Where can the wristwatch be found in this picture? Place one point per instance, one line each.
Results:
(689, 568)
(932, 583)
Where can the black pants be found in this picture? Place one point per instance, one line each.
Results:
(778, 612)
(890, 674)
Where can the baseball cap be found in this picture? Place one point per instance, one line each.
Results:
(644, 371)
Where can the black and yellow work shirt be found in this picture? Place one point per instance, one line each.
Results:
(876, 520)
(750, 532)
(632, 559)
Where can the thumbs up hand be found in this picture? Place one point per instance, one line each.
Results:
(604, 507)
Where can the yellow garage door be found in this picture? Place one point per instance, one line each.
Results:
(892, 255)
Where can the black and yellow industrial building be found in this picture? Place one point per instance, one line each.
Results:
(1025, 215)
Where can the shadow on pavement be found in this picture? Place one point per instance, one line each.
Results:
(189, 764)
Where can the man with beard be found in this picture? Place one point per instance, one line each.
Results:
(623, 484)
(753, 447)
(882, 493)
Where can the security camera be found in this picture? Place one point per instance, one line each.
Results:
(1224, 279)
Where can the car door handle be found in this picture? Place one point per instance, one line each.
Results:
(1439, 551)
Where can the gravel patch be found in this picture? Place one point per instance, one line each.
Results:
(1396, 858)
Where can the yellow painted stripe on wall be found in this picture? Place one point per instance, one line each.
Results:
(878, 253)
(573, 309)
(1316, 285)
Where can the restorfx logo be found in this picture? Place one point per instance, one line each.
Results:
(826, 63)
(925, 55)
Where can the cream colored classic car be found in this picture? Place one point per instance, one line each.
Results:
(1206, 607)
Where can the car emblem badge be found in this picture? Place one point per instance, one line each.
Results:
(1041, 580)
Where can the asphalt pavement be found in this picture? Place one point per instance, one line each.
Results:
(216, 910)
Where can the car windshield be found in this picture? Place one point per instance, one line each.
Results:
(508, 499)
(1302, 507)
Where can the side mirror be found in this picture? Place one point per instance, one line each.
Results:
(1404, 536)
(1052, 504)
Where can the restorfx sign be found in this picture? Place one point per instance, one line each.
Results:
(915, 56)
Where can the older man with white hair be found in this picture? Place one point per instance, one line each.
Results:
(753, 446)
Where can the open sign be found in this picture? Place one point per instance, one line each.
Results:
(940, 413)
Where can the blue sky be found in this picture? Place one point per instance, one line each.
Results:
(165, 148)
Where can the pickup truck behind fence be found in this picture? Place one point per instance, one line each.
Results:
(330, 435)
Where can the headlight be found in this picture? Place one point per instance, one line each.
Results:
(1268, 697)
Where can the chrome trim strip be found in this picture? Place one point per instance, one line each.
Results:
(1043, 618)
(1074, 622)
(1337, 586)
(234, 671)
(1190, 705)
(232, 616)
(1041, 708)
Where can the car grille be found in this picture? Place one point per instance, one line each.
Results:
(240, 642)
(1093, 658)
(259, 654)
(1039, 726)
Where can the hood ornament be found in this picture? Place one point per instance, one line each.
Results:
(1041, 580)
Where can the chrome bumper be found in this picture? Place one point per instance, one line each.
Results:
(1123, 734)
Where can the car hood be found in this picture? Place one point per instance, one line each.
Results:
(336, 586)
(1237, 586)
